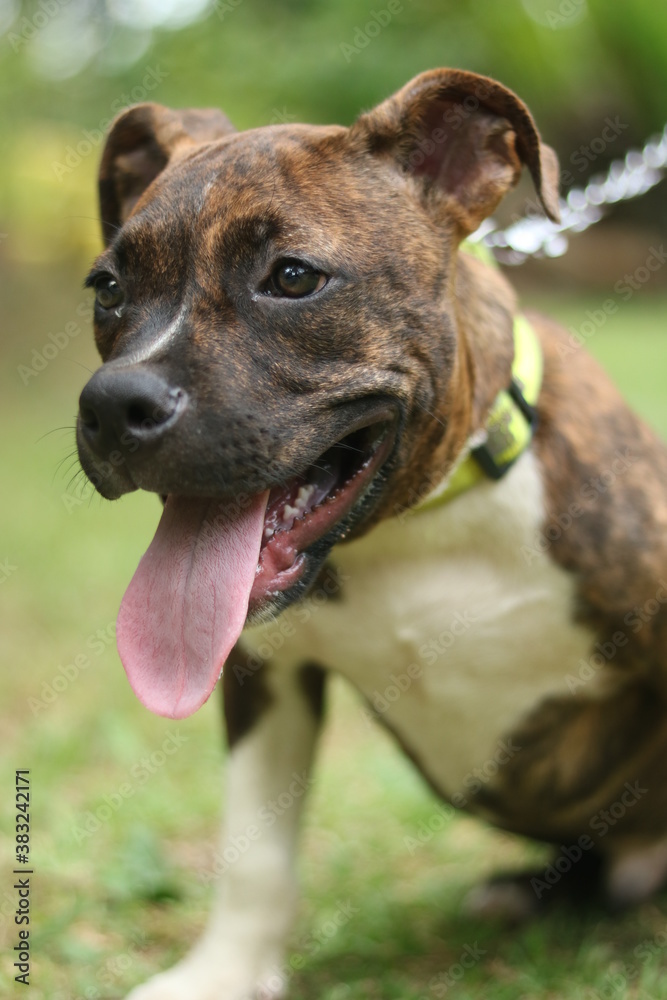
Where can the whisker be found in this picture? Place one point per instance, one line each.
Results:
(74, 478)
(426, 410)
(74, 461)
(348, 447)
(53, 431)
(72, 458)
(80, 364)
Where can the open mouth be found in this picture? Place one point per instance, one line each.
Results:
(212, 564)
(313, 505)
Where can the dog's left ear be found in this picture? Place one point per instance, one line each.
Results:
(467, 136)
(141, 142)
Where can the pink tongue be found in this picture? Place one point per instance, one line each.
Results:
(187, 602)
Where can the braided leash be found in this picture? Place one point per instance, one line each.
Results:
(536, 236)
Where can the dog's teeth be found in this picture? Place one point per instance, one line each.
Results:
(268, 532)
(290, 513)
(304, 494)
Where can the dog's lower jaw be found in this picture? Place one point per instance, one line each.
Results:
(345, 509)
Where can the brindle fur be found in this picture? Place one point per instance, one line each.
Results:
(194, 213)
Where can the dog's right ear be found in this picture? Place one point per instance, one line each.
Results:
(140, 144)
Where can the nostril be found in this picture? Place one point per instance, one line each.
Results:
(139, 418)
(146, 414)
(118, 402)
(89, 419)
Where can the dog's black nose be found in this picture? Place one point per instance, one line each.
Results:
(121, 407)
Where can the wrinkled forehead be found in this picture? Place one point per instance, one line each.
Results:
(258, 185)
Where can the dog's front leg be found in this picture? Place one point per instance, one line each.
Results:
(272, 720)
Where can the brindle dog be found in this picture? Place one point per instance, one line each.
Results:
(296, 352)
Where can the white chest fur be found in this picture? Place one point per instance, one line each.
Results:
(447, 626)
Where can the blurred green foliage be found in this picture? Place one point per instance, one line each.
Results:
(66, 66)
(574, 61)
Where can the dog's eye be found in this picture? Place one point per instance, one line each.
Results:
(293, 280)
(108, 293)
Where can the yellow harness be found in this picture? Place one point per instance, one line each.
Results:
(510, 424)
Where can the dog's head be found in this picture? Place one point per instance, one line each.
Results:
(276, 314)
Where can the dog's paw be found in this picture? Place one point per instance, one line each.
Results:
(188, 981)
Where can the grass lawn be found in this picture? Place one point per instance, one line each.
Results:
(119, 827)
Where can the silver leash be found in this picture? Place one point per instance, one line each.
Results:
(537, 236)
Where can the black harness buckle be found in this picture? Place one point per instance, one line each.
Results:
(487, 455)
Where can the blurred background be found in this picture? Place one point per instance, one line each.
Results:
(119, 823)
